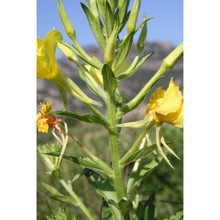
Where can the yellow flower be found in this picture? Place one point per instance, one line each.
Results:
(46, 61)
(44, 118)
(166, 106)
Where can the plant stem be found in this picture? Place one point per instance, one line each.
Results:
(80, 204)
(113, 137)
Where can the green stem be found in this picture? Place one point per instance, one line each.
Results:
(136, 144)
(113, 136)
(80, 204)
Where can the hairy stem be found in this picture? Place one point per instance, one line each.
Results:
(113, 137)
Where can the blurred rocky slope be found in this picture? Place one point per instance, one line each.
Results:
(130, 87)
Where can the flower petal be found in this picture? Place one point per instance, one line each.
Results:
(50, 42)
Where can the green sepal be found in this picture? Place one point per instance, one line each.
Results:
(109, 80)
(82, 117)
(124, 50)
(95, 26)
(139, 154)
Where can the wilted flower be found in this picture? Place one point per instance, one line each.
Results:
(44, 118)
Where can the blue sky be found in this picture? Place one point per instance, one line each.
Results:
(167, 24)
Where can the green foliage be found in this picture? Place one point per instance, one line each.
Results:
(131, 183)
(62, 215)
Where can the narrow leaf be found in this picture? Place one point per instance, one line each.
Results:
(95, 26)
(106, 190)
(142, 173)
(142, 38)
(125, 48)
(140, 154)
(81, 117)
(80, 160)
(109, 19)
(51, 189)
(133, 68)
(65, 199)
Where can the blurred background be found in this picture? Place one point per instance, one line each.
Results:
(165, 32)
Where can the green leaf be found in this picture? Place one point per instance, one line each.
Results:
(141, 174)
(62, 215)
(109, 19)
(140, 154)
(125, 48)
(122, 10)
(112, 4)
(106, 190)
(91, 83)
(80, 160)
(133, 68)
(65, 199)
(177, 216)
(125, 205)
(51, 189)
(142, 37)
(95, 26)
(110, 83)
(101, 6)
(151, 206)
(84, 117)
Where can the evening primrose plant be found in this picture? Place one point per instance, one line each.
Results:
(121, 196)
